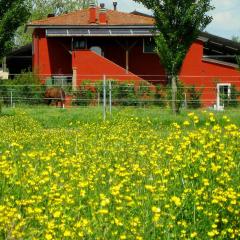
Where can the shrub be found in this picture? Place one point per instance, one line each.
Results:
(98, 86)
(160, 96)
(115, 92)
(145, 94)
(85, 94)
(25, 88)
(127, 95)
(180, 95)
(193, 97)
(122, 93)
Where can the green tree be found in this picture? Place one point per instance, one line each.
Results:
(236, 39)
(12, 14)
(179, 23)
(41, 8)
(238, 61)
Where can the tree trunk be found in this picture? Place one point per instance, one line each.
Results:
(0, 108)
(175, 107)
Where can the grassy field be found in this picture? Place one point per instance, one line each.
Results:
(50, 117)
(142, 174)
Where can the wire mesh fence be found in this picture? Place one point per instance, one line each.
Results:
(216, 92)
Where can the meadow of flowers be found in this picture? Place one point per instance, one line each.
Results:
(119, 179)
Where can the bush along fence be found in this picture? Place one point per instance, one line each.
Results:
(25, 89)
(28, 89)
(130, 94)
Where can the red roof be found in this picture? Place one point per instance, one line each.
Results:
(81, 17)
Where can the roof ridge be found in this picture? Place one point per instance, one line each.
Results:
(81, 17)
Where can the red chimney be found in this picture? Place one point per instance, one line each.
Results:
(92, 13)
(102, 14)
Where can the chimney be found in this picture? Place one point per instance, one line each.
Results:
(92, 13)
(102, 14)
(115, 5)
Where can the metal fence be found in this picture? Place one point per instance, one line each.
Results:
(216, 92)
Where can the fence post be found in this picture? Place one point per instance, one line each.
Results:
(104, 97)
(185, 100)
(110, 97)
(74, 79)
(11, 99)
(98, 99)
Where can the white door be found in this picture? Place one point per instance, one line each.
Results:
(223, 94)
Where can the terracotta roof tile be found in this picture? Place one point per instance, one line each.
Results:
(81, 17)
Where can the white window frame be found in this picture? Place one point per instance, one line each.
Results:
(219, 85)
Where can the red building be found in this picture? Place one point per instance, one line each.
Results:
(87, 44)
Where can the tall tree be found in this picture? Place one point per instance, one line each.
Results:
(41, 8)
(236, 39)
(179, 23)
(12, 14)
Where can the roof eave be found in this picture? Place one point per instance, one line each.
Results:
(202, 39)
(209, 60)
(31, 26)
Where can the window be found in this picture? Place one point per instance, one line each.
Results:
(79, 44)
(60, 81)
(97, 50)
(149, 45)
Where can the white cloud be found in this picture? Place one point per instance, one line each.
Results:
(126, 6)
(226, 18)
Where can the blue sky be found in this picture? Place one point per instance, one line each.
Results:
(226, 16)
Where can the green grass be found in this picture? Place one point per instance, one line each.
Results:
(51, 117)
(135, 176)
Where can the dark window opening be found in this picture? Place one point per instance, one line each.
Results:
(220, 52)
(149, 45)
(79, 44)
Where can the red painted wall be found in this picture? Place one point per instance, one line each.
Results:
(206, 75)
(51, 56)
(91, 66)
(145, 65)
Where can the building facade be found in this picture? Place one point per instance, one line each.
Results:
(92, 43)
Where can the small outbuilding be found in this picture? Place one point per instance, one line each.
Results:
(19, 60)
